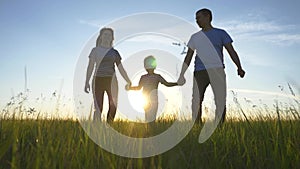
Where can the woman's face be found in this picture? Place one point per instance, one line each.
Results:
(107, 36)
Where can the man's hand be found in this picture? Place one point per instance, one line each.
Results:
(241, 73)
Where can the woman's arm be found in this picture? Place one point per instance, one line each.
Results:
(122, 71)
(89, 72)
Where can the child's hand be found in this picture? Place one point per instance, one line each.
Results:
(181, 81)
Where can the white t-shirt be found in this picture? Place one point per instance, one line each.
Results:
(209, 48)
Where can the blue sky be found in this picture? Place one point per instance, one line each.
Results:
(48, 36)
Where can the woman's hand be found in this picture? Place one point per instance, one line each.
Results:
(87, 88)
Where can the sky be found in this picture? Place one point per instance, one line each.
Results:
(45, 38)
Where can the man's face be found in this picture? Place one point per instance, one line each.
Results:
(202, 20)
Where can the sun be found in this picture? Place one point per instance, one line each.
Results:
(137, 100)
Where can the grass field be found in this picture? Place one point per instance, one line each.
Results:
(64, 144)
(270, 141)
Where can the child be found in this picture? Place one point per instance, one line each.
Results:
(149, 82)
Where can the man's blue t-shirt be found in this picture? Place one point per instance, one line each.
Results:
(209, 48)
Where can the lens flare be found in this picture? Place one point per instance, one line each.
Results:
(137, 100)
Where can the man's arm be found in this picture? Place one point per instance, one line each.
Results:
(235, 58)
(185, 65)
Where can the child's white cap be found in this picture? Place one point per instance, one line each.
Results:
(150, 62)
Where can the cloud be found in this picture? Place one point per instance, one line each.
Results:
(246, 27)
(93, 23)
(266, 93)
(151, 38)
(161, 23)
(268, 31)
(283, 38)
(253, 26)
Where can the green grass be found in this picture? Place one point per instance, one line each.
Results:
(27, 140)
(236, 144)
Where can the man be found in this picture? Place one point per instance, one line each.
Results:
(209, 64)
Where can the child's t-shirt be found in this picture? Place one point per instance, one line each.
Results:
(150, 83)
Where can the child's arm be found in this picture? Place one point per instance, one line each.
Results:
(129, 87)
(134, 87)
(166, 83)
(170, 84)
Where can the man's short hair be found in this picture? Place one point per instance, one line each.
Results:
(205, 12)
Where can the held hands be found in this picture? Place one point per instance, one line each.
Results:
(181, 81)
(241, 72)
(127, 86)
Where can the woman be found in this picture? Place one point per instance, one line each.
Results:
(103, 58)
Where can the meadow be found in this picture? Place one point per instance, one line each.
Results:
(261, 142)
(64, 144)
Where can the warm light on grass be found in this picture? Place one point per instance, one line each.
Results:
(137, 100)
(64, 144)
(256, 141)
